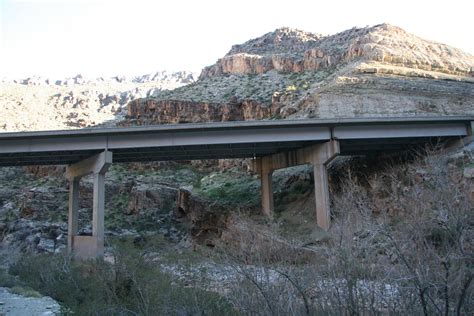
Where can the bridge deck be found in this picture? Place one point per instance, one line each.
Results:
(226, 139)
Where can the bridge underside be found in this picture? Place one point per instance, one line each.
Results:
(268, 157)
(144, 154)
(273, 145)
(217, 151)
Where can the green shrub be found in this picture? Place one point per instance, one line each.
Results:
(131, 285)
(24, 291)
(230, 189)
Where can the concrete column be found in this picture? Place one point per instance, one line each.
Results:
(264, 168)
(98, 208)
(88, 247)
(73, 211)
(321, 194)
(267, 193)
(318, 155)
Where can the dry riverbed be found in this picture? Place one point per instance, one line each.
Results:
(18, 305)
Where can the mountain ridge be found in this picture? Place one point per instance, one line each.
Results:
(40, 103)
(380, 70)
(292, 50)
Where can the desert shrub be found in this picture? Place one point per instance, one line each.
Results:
(400, 243)
(131, 285)
(269, 269)
(410, 230)
(230, 189)
(28, 292)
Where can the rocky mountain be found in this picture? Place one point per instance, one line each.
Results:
(372, 71)
(290, 50)
(37, 103)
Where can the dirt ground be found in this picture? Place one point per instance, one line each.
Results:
(17, 305)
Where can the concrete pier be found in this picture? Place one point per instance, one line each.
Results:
(86, 247)
(318, 155)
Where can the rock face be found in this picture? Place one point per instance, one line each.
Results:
(34, 208)
(373, 71)
(290, 50)
(205, 220)
(146, 198)
(182, 111)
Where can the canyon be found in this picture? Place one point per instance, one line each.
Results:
(377, 71)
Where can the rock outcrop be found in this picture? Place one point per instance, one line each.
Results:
(34, 208)
(182, 111)
(372, 71)
(290, 50)
(205, 220)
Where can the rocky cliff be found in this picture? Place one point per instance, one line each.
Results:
(290, 50)
(182, 111)
(373, 71)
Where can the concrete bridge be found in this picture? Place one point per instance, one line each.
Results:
(272, 144)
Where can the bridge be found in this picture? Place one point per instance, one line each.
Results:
(272, 145)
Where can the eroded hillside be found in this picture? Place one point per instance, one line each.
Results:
(373, 71)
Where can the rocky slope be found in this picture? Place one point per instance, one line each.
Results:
(373, 71)
(45, 104)
(290, 50)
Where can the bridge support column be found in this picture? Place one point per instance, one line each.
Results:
(321, 195)
(73, 211)
(87, 247)
(318, 155)
(266, 186)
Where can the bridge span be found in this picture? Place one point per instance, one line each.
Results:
(272, 144)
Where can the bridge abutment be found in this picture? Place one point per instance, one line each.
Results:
(87, 247)
(318, 155)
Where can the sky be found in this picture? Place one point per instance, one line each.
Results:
(62, 38)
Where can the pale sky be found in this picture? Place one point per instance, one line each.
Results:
(55, 38)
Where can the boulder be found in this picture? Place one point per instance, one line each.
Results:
(204, 219)
(46, 245)
(468, 172)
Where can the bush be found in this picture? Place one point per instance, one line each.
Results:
(28, 292)
(401, 243)
(132, 285)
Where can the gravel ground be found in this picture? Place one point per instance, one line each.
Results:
(17, 305)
